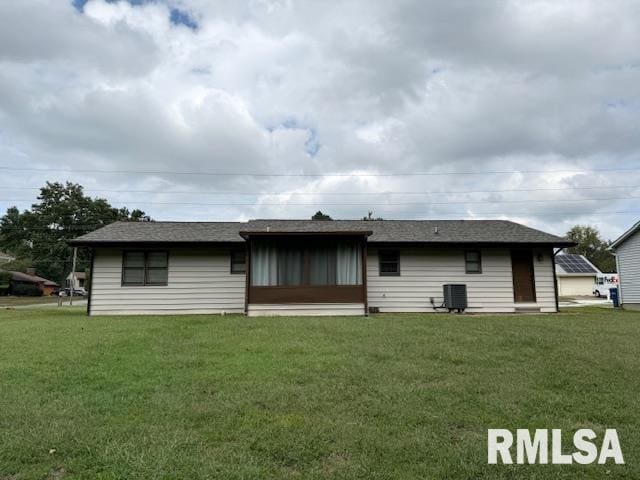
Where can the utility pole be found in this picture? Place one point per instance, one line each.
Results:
(73, 276)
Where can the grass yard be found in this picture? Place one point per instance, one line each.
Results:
(389, 396)
(18, 301)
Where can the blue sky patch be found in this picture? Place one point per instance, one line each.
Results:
(177, 16)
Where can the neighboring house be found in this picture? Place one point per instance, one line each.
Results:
(627, 252)
(577, 276)
(5, 258)
(306, 267)
(46, 286)
(80, 278)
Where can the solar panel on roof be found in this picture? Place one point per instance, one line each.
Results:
(574, 264)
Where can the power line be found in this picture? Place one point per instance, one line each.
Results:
(364, 204)
(316, 175)
(232, 192)
(476, 216)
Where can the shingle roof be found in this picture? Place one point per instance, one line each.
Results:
(163, 232)
(25, 277)
(399, 231)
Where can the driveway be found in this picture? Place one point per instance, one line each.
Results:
(585, 302)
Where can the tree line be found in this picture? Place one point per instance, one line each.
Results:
(37, 237)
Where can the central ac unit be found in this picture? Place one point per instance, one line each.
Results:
(455, 296)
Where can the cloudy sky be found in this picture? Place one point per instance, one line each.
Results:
(221, 110)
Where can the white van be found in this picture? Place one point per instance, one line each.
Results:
(605, 281)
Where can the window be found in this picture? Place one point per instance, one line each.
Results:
(145, 268)
(472, 262)
(389, 263)
(322, 266)
(238, 261)
(290, 266)
(295, 263)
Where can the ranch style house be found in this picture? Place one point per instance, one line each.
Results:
(314, 267)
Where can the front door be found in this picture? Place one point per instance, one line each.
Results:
(524, 286)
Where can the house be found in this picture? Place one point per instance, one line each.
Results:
(77, 280)
(5, 258)
(577, 276)
(47, 287)
(627, 251)
(307, 267)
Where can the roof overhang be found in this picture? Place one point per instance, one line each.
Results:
(622, 238)
(250, 234)
(564, 274)
(337, 233)
(149, 243)
(474, 244)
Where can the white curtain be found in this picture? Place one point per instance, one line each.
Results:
(322, 266)
(264, 264)
(340, 265)
(290, 266)
(348, 264)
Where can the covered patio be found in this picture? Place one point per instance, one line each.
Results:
(306, 272)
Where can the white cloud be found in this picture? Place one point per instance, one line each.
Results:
(315, 87)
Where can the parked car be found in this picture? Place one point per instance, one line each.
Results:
(77, 292)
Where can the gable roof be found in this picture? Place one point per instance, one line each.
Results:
(25, 277)
(79, 276)
(381, 231)
(623, 238)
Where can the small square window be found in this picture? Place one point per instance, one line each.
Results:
(238, 261)
(472, 262)
(145, 268)
(389, 263)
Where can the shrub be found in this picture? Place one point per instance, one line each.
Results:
(26, 290)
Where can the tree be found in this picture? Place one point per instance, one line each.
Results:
(371, 217)
(62, 212)
(591, 245)
(320, 216)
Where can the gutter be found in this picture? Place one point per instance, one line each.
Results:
(90, 283)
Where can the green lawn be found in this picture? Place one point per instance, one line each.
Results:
(389, 396)
(18, 301)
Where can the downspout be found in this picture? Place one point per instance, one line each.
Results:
(555, 277)
(365, 256)
(247, 273)
(90, 283)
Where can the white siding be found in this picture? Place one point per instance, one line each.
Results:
(629, 269)
(199, 282)
(298, 309)
(424, 271)
(575, 285)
